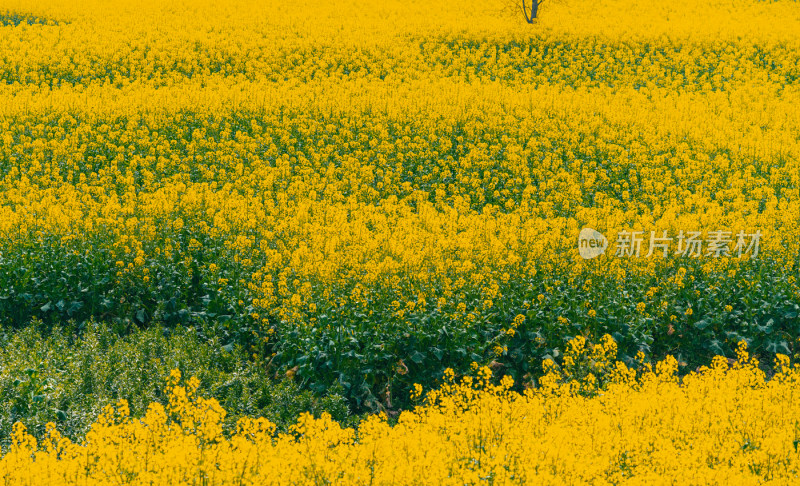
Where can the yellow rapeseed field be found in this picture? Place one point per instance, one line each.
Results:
(719, 426)
(365, 195)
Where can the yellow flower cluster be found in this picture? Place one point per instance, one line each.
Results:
(721, 425)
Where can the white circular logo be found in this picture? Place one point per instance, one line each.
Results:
(591, 243)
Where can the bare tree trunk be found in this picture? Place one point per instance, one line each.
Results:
(531, 14)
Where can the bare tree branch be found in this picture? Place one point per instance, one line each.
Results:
(512, 8)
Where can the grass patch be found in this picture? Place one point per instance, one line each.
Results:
(67, 379)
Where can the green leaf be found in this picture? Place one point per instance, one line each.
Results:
(715, 347)
(702, 324)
